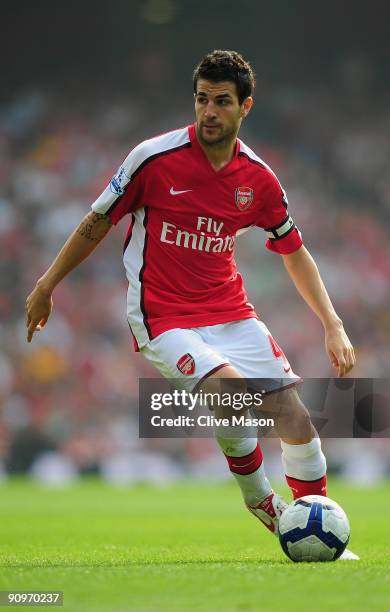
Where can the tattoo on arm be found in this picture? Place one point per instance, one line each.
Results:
(94, 226)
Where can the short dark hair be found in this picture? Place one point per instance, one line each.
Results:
(227, 66)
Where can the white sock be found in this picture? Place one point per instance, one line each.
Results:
(245, 461)
(304, 461)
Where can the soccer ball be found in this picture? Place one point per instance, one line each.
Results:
(314, 528)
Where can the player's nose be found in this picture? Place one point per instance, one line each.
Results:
(210, 110)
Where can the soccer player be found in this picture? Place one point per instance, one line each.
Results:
(189, 193)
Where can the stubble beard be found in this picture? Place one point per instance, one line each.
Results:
(225, 139)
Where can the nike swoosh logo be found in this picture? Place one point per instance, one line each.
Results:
(265, 519)
(173, 192)
(269, 524)
(242, 465)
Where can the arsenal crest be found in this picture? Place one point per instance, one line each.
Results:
(244, 197)
(186, 364)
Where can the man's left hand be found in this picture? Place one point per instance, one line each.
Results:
(340, 350)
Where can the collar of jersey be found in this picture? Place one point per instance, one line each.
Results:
(198, 151)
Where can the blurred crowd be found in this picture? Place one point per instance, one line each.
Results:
(68, 401)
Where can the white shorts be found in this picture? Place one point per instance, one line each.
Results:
(187, 356)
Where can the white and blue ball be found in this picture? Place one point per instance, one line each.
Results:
(314, 528)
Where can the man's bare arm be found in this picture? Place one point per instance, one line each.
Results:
(306, 277)
(80, 244)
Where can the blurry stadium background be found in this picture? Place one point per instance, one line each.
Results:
(82, 84)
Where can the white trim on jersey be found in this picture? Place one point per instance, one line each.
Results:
(133, 260)
(286, 227)
(138, 156)
(248, 151)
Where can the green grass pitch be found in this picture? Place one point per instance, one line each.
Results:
(183, 547)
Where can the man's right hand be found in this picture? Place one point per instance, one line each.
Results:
(80, 244)
(38, 308)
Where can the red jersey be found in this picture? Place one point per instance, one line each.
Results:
(185, 216)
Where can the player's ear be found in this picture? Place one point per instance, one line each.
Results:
(246, 106)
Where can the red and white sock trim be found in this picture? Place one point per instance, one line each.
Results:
(246, 464)
(305, 468)
(299, 488)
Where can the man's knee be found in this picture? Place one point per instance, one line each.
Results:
(224, 389)
(291, 417)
